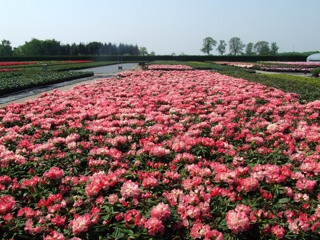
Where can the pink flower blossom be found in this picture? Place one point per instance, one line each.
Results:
(160, 211)
(278, 231)
(130, 189)
(54, 173)
(237, 221)
(154, 226)
(7, 203)
(81, 223)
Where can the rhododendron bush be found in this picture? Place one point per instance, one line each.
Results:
(161, 155)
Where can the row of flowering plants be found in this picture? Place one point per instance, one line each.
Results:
(16, 63)
(286, 69)
(302, 64)
(165, 67)
(9, 69)
(161, 155)
(296, 67)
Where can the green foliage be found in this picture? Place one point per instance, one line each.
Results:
(249, 48)
(15, 81)
(52, 47)
(262, 48)
(316, 72)
(222, 47)
(208, 44)
(307, 88)
(5, 48)
(236, 46)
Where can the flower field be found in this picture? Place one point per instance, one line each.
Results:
(161, 155)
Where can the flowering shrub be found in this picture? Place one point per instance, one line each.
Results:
(237, 64)
(9, 69)
(77, 61)
(303, 64)
(16, 63)
(163, 155)
(169, 67)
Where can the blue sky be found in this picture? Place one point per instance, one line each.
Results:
(164, 26)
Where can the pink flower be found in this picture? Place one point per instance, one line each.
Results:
(149, 182)
(237, 221)
(130, 189)
(305, 184)
(159, 151)
(160, 211)
(58, 220)
(30, 229)
(54, 173)
(54, 235)
(278, 231)
(154, 226)
(81, 223)
(113, 199)
(6, 204)
(249, 184)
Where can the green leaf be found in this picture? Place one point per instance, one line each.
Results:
(284, 200)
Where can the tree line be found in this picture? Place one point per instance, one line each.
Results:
(52, 47)
(237, 47)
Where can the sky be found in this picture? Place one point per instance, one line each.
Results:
(164, 26)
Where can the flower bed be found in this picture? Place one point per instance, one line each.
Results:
(163, 155)
(169, 67)
(16, 63)
(302, 64)
(9, 69)
(286, 69)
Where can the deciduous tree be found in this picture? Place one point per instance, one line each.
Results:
(236, 46)
(249, 49)
(274, 48)
(5, 48)
(208, 44)
(262, 48)
(222, 47)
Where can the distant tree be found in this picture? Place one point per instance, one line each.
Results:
(152, 53)
(143, 51)
(222, 47)
(5, 48)
(274, 48)
(262, 48)
(94, 48)
(236, 46)
(51, 47)
(249, 49)
(208, 44)
(32, 48)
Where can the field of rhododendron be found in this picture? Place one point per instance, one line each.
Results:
(161, 155)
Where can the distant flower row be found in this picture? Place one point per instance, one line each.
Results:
(237, 64)
(77, 61)
(9, 69)
(169, 67)
(161, 154)
(314, 64)
(16, 63)
(286, 69)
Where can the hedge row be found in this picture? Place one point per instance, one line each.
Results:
(163, 57)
